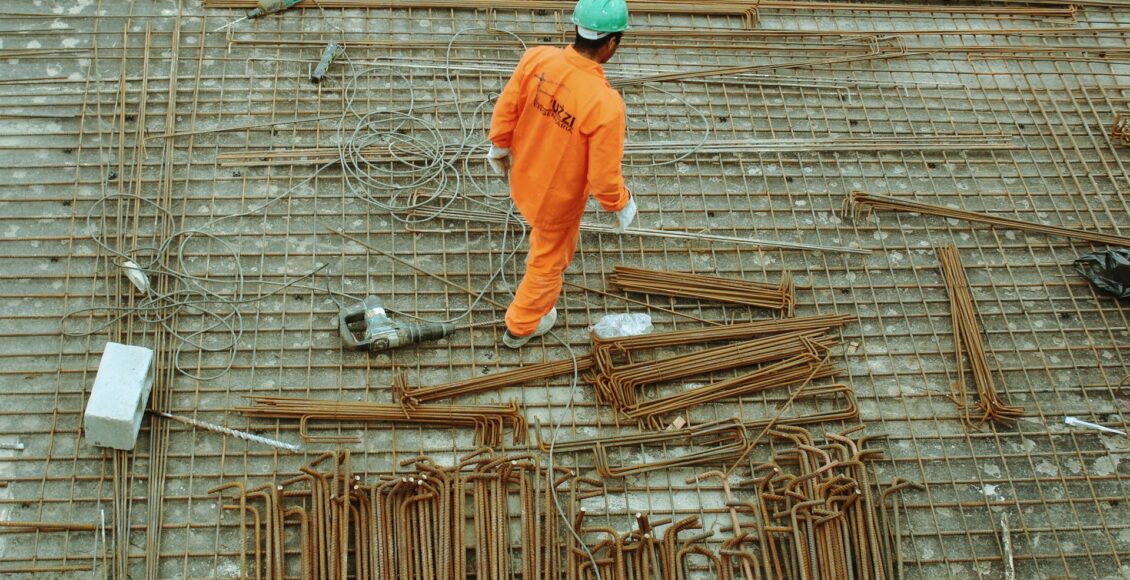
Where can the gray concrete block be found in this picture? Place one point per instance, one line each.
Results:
(117, 401)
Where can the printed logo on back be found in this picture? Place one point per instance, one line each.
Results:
(545, 101)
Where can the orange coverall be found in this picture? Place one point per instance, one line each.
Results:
(564, 125)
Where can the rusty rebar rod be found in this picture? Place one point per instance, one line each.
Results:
(520, 376)
(488, 421)
(621, 385)
(419, 522)
(780, 296)
(816, 512)
(711, 443)
(859, 202)
(968, 342)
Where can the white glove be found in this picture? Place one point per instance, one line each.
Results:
(625, 216)
(499, 159)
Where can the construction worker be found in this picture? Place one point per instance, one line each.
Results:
(558, 130)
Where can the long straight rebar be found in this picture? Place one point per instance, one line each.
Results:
(520, 376)
(383, 154)
(861, 201)
(500, 218)
(781, 296)
(714, 442)
(488, 420)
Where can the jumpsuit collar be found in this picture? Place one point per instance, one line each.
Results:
(581, 61)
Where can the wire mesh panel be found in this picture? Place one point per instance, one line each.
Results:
(263, 204)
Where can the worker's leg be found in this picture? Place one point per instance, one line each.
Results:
(550, 253)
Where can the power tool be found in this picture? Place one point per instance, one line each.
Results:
(264, 8)
(367, 327)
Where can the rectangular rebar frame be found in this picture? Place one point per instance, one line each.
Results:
(86, 92)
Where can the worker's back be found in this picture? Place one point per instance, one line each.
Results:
(564, 125)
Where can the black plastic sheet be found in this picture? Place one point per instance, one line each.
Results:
(1109, 270)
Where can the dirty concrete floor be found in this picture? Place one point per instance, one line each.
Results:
(106, 157)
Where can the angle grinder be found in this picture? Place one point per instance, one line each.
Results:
(366, 326)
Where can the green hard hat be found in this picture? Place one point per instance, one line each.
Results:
(606, 16)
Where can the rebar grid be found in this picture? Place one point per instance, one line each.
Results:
(1057, 344)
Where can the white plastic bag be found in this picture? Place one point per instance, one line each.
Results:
(615, 325)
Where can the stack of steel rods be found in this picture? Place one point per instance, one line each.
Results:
(815, 512)
(716, 442)
(435, 522)
(797, 369)
(530, 373)
(120, 514)
(757, 294)
(845, 407)
(643, 553)
(618, 379)
(621, 385)
(968, 342)
(604, 349)
(488, 421)
(719, 439)
(860, 201)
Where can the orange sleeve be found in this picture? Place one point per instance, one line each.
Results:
(606, 152)
(506, 109)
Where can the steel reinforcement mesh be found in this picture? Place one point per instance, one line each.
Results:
(129, 126)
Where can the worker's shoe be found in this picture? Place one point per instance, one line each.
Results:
(544, 326)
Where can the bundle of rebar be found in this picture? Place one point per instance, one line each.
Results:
(969, 343)
(621, 386)
(607, 350)
(780, 297)
(802, 368)
(789, 350)
(437, 522)
(712, 443)
(488, 421)
(813, 512)
(838, 396)
(860, 202)
(528, 374)
(643, 553)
